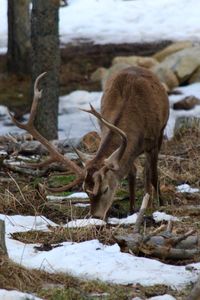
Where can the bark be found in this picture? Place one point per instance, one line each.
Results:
(18, 58)
(3, 250)
(46, 57)
(195, 293)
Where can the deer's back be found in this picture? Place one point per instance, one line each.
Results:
(135, 101)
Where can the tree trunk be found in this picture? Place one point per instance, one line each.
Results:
(3, 250)
(18, 58)
(46, 57)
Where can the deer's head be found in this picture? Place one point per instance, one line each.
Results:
(102, 179)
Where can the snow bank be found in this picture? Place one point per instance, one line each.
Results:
(117, 21)
(93, 260)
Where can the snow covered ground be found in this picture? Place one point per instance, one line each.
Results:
(117, 21)
(91, 259)
(105, 21)
(74, 123)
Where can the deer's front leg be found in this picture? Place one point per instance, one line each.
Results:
(131, 182)
(151, 175)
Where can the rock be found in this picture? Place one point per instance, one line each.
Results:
(98, 74)
(161, 55)
(183, 63)
(32, 147)
(195, 76)
(140, 61)
(166, 76)
(187, 103)
(186, 122)
(90, 142)
(111, 71)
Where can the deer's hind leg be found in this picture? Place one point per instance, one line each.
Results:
(151, 174)
(151, 171)
(131, 183)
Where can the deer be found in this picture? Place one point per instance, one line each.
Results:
(133, 114)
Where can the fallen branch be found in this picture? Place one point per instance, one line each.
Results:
(161, 242)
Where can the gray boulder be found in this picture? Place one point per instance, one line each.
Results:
(166, 76)
(140, 61)
(175, 47)
(183, 63)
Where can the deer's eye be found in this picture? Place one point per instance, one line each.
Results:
(105, 190)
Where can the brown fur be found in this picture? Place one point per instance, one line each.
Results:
(136, 102)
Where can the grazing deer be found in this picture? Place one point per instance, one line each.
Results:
(134, 113)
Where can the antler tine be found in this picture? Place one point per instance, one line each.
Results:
(64, 187)
(55, 155)
(112, 127)
(117, 130)
(36, 97)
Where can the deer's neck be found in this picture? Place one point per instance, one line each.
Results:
(111, 142)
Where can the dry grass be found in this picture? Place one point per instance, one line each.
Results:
(57, 286)
(13, 276)
(179, 163)
(104, 234)
(182, 158)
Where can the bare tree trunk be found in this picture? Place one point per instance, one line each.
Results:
(19, 45)
(46, 57)
(3, 250)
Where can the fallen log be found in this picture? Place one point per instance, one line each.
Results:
(161, 242)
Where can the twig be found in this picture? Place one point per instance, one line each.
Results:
(140, 216)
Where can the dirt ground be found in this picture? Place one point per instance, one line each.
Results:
(20, 194)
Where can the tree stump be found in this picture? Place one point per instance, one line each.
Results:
(3, 250)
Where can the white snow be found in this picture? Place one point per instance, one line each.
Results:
(78, 195)
(123, 221)
(185, 188)
(117, 21)
(72, 196)
(68, 122)
(74, 123)
(162, 216)
(163, 297)
(15, 295)
(85, 223)
(3, 153)
(92, 260)
(25, 223)
(189, 90)
(81, 204)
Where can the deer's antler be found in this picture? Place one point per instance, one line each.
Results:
(55, 155)
(116, 156)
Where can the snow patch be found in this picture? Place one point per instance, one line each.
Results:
(84, 223)
(162, 216)
(185, 188)
(124, 221)
(15, 295)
